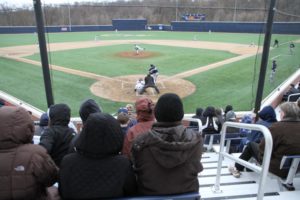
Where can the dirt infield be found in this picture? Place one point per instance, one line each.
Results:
(141, 55)
(121, 88)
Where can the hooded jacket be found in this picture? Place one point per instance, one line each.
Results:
(267, 116)
(87, 107)
(145, 117)
(25, 169)
(97, 170)
(57, 137)
(44, 119)
(286, 141)
(167, 159)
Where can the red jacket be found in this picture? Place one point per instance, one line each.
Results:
(133, 132)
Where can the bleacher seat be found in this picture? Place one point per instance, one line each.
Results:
(291, 163)
(293, 97)
(186, 196)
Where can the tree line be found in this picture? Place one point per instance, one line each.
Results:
(155, 11)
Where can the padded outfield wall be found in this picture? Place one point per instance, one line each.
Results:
(141, 24)
(236, 27)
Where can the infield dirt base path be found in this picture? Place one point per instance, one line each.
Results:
(121, 88)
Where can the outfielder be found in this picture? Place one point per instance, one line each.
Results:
(274, 67)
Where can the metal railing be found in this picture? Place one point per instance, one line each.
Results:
(263, 169)
(198, 121)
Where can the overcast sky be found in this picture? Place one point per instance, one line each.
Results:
(18, 3)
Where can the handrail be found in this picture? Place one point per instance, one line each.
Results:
(195, 120)
(292, 95)
(266, 157)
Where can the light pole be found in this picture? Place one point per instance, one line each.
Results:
(234, 15)
(70, 22)
(176, 10)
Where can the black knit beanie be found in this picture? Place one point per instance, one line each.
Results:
(169, 108)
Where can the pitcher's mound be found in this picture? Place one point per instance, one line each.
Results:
(121, 88)
(142, 54)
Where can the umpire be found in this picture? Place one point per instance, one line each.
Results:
(149, 82)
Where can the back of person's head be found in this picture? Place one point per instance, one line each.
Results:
(169, 108)
(144, 109)
(123, 118)
(88, 107)
(122, 109)
(290, 111)
(199, 112)
(247, 119)
(228, 108)
(44, 120)
(219, 111)
(59, 114)
(230, 116)
(268, 114)
(209, 112)
(16, 127)
(129, 108)
(101, 136)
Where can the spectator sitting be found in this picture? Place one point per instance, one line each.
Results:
(198, 115)
(167, 157)
(132, 120)
(220, 118)
(267, 116)
(231, 117)
(227, 109)
(58, 136)
(286, 141)
(87, 107)
(131, 112)
(145, 118)
(96, 170)
(232, 132)
(42, 125)
(123, 119)
(292, 90)
(210, 124)
(247, 119)
(26, 169)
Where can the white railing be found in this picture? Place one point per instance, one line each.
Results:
(194, 120)
(263, 169)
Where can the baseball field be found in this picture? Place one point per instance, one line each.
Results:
(203, 68)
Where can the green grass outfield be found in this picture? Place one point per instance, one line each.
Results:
(234, 83)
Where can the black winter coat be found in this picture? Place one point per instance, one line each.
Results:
(57, 137)
(97, 170)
